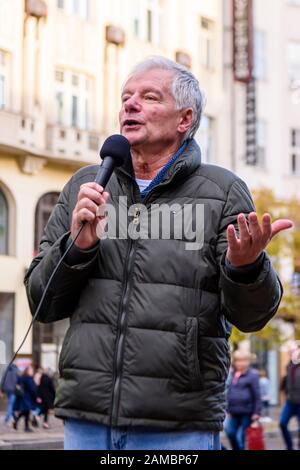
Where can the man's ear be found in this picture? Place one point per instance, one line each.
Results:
(186, 119)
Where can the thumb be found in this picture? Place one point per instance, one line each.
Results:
(280, 225)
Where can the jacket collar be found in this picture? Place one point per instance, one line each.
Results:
(184, 165)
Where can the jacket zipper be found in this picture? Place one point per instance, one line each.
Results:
(121, 330)
(121, 326)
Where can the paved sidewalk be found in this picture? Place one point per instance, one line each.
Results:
(53, 438)
(272, 433)
(40, 438)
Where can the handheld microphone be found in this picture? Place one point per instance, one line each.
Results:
(114, 152)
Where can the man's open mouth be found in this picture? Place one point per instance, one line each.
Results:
(131, 123)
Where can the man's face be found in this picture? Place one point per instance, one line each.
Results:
(148, 115)
(241, 364)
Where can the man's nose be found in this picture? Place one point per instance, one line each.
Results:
(132, 103)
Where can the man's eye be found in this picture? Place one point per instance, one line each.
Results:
(125, 98)
(151, 97)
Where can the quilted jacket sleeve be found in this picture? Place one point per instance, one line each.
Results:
(69, 280)
(247, 306)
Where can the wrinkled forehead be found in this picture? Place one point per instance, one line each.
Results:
(159, 80)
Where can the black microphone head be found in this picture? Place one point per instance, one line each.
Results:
(117, 147)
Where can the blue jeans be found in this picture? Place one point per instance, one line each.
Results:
(235, 428)
(84, 435)
(289, 410)
(11, 398)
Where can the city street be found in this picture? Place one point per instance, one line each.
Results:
(150, 227)
(52, 439)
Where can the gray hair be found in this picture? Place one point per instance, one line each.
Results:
(185, 88)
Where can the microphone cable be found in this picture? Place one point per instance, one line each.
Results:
(114, 152)
(40, 305)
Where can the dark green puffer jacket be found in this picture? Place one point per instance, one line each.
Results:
(149, 320)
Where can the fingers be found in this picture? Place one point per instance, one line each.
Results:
(85, 215)
(254, 228)
(91, 197)
(266, 228)
(87, 203)
(92, 191)
(233, 242)
(245, 236)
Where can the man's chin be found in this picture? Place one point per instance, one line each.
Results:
(134, 138)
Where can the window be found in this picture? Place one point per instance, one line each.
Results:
(207, 45)
(293, 61)
(152, 18)
(73, 99)
(43, 211)
(4, 78)
(74, 111)
(149, 25)
(3, 224)
(75, 80)
(78, 8)
(136, 27)
(59, 76)
(147, 20)
(295, 138)
(7, 323)
(2, 91)
(261, 142)
(2, 58)
(260, 55)
(204, 137)
(59, 108)
(75, 6)
(86, 114)
(295, 151)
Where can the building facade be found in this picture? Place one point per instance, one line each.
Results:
(276, 77)
(62, 64)
(264, 124)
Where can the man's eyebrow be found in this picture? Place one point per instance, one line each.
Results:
(153, 90)
(144, 90)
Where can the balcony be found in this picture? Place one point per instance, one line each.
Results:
(21, 135)
(20, 131)
(75, 144)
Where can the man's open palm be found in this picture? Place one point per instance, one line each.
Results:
(253, 237)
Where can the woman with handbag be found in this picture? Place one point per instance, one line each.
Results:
(243, 399)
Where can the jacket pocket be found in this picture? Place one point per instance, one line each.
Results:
(191, 337)
(65, 348)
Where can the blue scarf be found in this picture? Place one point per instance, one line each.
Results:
(157, 179)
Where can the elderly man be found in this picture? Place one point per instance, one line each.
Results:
(146, 356)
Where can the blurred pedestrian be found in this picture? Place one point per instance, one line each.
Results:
(37, 411)
(26, 398)
(243, 399)
(264, 385)
(9, 389)
(46, 395)
(292, 390)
